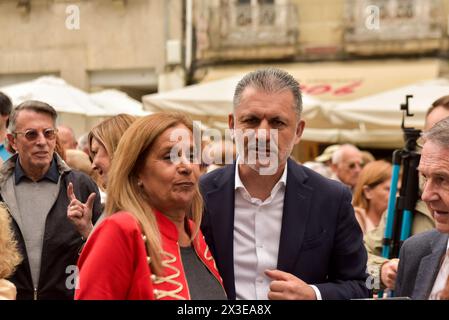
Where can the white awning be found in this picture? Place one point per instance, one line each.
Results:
(57, 93)
(116, 101)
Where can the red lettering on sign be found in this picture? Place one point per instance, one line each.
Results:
(319, 89)
(348, 89)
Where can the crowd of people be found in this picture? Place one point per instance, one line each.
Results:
(128, 212)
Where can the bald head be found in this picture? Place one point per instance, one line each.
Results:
(67, 137)
(437, 111)
(436, 114)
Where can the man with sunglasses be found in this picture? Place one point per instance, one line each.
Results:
(33, 184)
(347, 162)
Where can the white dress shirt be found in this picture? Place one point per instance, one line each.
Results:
(442, 277)
(257, 232)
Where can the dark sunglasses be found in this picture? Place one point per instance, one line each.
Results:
(353, 165)
(33, 134)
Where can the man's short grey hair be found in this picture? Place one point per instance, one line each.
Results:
(31, 105)
(83, 142)
(439, 133)
(337, 156)
(270, 80)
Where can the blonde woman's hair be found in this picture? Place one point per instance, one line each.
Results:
(109, 132)
(372, 174)
(9, 254)
(123, 192)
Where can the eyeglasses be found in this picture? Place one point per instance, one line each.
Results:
(353, 165)
(33, 134)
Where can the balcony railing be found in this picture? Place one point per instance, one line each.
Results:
(247, 25)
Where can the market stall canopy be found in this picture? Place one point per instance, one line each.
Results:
(57, 93)
(380, 116)
(74, 106)
(116, 101)
(209, 101)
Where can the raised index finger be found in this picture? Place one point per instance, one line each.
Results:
(70, 192)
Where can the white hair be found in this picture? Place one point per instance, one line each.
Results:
(82, 142)
(439, 133)
(337, 156)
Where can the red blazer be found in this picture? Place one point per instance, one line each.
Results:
(114, 263)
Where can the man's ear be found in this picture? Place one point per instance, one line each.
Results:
(11, 140)
(231, 121)
(299, 131)
(334, 167)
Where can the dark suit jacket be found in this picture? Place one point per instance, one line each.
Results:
(419, 263)
(321, 241)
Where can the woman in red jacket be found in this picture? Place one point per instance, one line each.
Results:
(150, 245)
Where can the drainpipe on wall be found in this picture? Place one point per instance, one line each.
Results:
(189, 44)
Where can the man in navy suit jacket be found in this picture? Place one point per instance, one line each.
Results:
(276, 229)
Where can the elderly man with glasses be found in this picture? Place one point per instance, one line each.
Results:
(33, 185)
(347, 162)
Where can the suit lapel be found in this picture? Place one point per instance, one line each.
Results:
(296, 211)
(220, 206)
(428, 268)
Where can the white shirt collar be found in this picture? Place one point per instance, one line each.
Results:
(239, 184)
